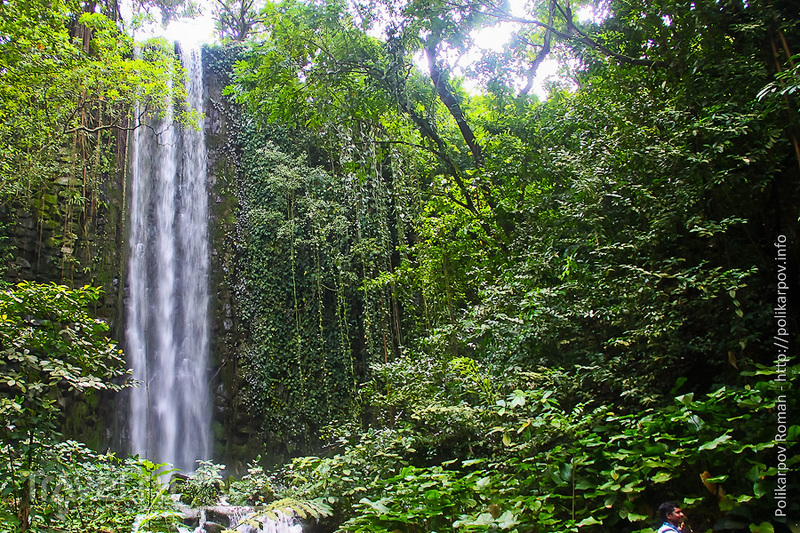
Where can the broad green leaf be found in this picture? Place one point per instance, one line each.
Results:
(711, 445)
(379, 506)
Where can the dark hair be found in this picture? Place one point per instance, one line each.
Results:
(666, 508)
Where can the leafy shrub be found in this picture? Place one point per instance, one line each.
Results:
(553, 465)
(290, 507)
(51, 345)
(204, 486)
(254, 488)
(78, 490)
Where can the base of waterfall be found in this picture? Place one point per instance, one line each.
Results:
(232, 518)
(240, 519)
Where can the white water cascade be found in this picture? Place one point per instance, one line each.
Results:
(167, 329)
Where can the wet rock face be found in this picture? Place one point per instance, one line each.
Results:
(232, 426)
(212, 519)
(213, 527)
(218, 518)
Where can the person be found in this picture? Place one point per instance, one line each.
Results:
(672, 518)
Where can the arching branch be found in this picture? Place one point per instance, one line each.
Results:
(543, 53)
(449, 100)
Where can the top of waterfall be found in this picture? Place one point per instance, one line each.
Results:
(190, 32)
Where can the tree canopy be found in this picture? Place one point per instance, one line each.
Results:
(610, 247)
(68, 75)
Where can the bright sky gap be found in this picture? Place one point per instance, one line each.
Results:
(200, 30)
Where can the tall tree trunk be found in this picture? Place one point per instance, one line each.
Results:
(25, 505)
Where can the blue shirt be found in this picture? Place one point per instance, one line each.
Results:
(666, 527)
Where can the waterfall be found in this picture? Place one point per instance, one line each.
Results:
(167, 329)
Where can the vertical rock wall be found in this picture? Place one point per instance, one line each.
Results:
(234, 442)
(47, 240)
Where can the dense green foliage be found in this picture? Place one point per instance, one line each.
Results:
(254, 488)
(68, 86)
(553, 273)
(51, 347)
(543, 458)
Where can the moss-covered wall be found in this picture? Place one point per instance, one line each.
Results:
(71, 233)
(234, 435)
(50, 237)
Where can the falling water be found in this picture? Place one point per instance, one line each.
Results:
(167, 310)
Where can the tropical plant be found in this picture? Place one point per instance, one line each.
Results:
(75, 489)
(254, 488)
(553, 465)
(51, 347)
(204, 486)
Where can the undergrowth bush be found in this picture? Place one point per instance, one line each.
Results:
(255, 487)
(78, 490)
(547, 463)
(204, 486)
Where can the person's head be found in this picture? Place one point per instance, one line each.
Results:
(671, 512)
